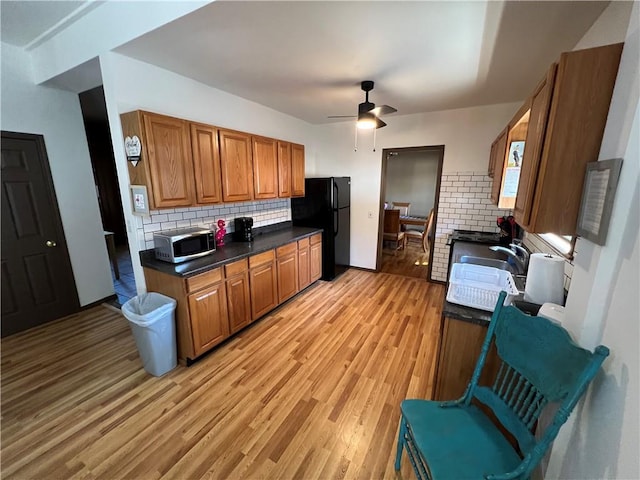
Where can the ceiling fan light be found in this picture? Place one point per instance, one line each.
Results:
(366, 121)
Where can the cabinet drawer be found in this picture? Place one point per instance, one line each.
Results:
(203, 280)
(317, 238)
(287, 249)
(261, 258)
(304, 243)
(235, 267)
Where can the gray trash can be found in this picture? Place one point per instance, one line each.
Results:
(151, 316)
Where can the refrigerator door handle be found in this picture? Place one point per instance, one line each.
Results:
(336, 212)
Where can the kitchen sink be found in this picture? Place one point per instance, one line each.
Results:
(486, 262)
(520, 280)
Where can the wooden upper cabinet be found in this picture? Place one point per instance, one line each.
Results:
(284, 169)
(265, 167)
(578, 111)
(165, 166)
(297, 170)
(236, 166)
(206, 163)
(498, 152)
(538, 118)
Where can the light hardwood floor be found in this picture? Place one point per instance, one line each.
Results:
(410, 261)
(310, 391)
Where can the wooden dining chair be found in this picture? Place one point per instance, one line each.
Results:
(404, 207)
(391, 232)
(539, 365)
(421, 233)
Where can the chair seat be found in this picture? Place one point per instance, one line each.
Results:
(461, 441)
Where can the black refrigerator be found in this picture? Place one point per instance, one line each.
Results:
(326, 205)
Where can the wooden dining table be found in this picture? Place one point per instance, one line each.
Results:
(410, 220)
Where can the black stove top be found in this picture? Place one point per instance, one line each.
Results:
(475, 236)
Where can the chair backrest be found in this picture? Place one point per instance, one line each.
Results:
(404, 207)
(539, 364)
(429, 228)
(391, 221)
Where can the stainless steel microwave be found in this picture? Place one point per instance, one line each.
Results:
(183, 244)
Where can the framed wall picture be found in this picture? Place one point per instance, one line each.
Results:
(140, 200)
(600, 183)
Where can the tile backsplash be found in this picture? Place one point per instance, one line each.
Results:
(465, 204)
(264, 212)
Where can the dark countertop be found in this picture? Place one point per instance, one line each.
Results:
(230, 252)
(475, 237)
(466, 314)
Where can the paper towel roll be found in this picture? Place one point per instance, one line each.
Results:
(545, 280)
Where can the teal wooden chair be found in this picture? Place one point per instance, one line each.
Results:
(539, 365)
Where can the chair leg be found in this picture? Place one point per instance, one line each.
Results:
(403, 430)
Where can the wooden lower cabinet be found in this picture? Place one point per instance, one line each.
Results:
(263, 282)
(315, 257)
(209, 318)
(238, 296)
(304, 264)
(216, 304)
(460, 346)
(287, 268)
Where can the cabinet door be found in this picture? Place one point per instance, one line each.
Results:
(238, 301)
(264, 292)
(460, 348)
(209, 319)
(500, 149)
(265, 167)
(315, 261)
(287, 276)
(235, 164)
(170, 164)
(206, 163)
(297, 170)
(304, 265)
(540, 104)
(284, 169)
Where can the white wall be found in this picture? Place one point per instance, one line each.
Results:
(130, 84)
(466, 134)
(601, 438)
(412, 177)
(56, 114)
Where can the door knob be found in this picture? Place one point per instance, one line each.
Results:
(50, 243)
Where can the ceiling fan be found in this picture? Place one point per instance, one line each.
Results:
(368, 114)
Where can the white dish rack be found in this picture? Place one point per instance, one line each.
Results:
(478, 286)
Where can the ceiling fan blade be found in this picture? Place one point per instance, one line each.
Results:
(383, 110)
(380, 123)
(341, 116)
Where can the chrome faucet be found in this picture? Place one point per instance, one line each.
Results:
(518, 254)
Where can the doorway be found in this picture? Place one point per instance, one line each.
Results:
(96, 123)
(38, 285)
(410, 182)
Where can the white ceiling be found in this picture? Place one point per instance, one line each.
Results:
(307, 58)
